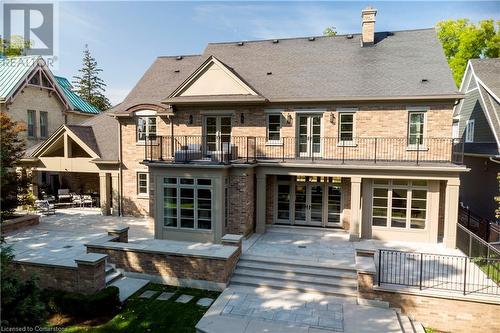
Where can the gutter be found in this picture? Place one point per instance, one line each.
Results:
(492, 158)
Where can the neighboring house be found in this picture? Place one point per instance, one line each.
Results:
(477, 123)
(82, 158)
(348, 131)
(31, 94)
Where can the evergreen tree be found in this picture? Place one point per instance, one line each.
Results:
(11, 150)
(89, 85)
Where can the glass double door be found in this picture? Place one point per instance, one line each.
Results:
(309, 201)
(217, 133)
(309, 134)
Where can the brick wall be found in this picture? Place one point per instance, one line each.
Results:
(19, 223)
(169, 265)
(444, 314)
(241, 203)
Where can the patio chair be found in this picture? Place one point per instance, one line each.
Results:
(87, 200)
(44, 207)
(63, 195)
(188, 153)
(77, 200)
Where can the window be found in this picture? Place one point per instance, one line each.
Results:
(455, 129)
(142, 184)
(416, 121)
(146, 127)
(187, 203)
(399, 204)
(346, 127)
(43, 124)
(469, 131)
(273, 127)
(31, 123)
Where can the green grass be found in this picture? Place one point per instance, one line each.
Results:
(490, 269)
(151, 315)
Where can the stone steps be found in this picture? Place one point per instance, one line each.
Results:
(408, 325)
(128, 286)
(276, 273)
(111, 274)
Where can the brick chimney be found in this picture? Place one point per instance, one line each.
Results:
(368, 26)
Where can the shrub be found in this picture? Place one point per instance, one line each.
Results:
(104, 302)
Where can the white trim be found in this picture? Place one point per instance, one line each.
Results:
(274, 142)
(274, 111)
(145, 113)
(311, 111)
(469, 133)
(424, 132)
(488, 90)
(349, 110)
(349, 143)
(487, 114)
(139, 194)
(417, 108)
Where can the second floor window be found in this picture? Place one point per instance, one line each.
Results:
(31, 123)
(146, 127)
(416, 121)
(273, 127)
(346, 127)
(43, 124)
(469, 131)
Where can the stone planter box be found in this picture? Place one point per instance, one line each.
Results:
(19, 223)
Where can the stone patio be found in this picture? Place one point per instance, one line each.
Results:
(60, 238)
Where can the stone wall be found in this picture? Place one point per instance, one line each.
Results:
(447, 314)
(19, 223)
(87, 276)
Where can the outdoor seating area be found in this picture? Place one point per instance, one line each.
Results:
(67, 199)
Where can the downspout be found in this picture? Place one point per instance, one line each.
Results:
(120, 156)
(493, 160)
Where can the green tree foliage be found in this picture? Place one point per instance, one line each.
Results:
(497, 198)
(463, 40)
(330, 32)
(11, 150)
(89, 85)
(15, 47)
(21, 301)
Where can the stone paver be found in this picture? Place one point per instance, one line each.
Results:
(165, 296)
(147, 294)
(128, 286)
(184, 298)
(205, 301)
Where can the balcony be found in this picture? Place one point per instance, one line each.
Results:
(326, 150)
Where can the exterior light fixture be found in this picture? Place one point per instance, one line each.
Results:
(332, 118)
(242, 118)
(289, 119)
(190, 119)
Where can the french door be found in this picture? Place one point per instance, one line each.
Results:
(217, 133)
(309, 135)
(309, 201)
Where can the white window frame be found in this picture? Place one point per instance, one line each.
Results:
(411, 111)
(268, 115)
(33, 113)
(45, 126)
(455, 127)
(147, 120)
(342, 112)
(195, 186)
(409, 188)
(469, 131)
(139, 193)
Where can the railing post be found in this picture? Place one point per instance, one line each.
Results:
(421, 269)
(465, 275)
(379, 266)
(146, 148)
(418, 148)
(151, 148)
(283, 151)
(343, 152)
(248, 148)
(254, 149)
(186, 149)
(375, 154)
(161, 148)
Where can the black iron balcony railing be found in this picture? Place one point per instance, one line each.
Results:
(249, 149)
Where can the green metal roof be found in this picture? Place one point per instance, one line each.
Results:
(77, 103)
(12, 71)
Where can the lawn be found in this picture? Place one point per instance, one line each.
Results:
(151, 315)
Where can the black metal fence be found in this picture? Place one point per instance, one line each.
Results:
(462, 274)
(224, 149)
(486, 229)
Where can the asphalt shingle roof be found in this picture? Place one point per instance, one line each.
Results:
(403, 63)
(488, 71)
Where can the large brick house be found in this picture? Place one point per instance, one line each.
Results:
(351, 131)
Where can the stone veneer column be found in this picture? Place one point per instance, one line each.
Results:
(91, 272)
(451, 212)
(260, 207)
(115, 186)
(354, 227)
(104, 187)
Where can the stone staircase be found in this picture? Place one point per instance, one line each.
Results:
(112, 274)
(127, 286)
(408, 325)
(257, 271)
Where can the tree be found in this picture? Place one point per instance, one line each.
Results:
(89, 85)
(330, 32)
(14, 47)
(463, 40)
(497, 198)
(11, 150)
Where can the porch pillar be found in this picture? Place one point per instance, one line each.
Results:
(354, 225)
(115, 194)
(260, 207)
(451, 212)
(104, 192)
(34, 182)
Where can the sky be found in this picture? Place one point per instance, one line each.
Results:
(126, 36)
